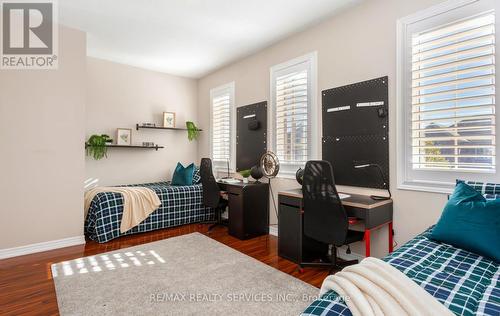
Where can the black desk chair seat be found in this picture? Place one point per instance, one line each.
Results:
(212, 196)
(325, 219)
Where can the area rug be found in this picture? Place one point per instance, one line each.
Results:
(185, 275)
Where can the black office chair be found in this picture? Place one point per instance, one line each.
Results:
(325, 219)
(211, 192)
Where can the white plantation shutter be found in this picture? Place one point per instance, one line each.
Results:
(453, 96)
(292, 117)
(222, 103)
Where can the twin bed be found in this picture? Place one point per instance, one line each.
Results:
(180, 205)
(466, 283)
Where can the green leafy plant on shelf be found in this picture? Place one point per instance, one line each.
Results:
(96, 146)
(193, 131)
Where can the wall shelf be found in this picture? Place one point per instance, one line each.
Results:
(138, 127)
(132, 146)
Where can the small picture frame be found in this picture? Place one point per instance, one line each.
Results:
(169, 119)
(124, 136)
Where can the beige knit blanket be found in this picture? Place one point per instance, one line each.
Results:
(138, 204)
(374, 287)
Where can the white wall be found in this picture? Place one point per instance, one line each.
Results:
(45, 118)
(119, 96)
(356, 45)
(42, 128)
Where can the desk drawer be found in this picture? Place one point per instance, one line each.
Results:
(355, 212)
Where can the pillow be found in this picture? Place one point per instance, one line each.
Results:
(470, 222)
(183, 175)
(196, 175)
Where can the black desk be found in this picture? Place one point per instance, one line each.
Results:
(293, 245)
(248, 208)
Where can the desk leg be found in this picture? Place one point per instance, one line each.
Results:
(367, 242)
(391, 241)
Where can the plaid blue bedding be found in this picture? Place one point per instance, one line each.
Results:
(490, 191)
(466, 283)
(180, 205)
(483, 187)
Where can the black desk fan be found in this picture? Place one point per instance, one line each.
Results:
(270, 166)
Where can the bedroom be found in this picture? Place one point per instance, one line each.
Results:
(123, 63)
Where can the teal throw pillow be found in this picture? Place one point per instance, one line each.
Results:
(183, 175)
(470, 222)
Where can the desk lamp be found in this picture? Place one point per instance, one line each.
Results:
(374, 165)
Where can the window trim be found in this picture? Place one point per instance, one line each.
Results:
(314, 139)
(404, 181)
(228, 87)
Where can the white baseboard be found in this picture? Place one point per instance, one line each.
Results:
(42, 246)
(341, 252)
(273, 230)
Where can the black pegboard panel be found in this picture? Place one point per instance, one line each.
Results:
(251, 143)
(356, 131)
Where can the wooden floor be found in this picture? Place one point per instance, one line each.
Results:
(26, 286)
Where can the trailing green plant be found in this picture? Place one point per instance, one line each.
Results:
(245, 173)
(193, 131)
(96, 146)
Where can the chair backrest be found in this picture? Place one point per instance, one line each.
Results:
(211, 191)
(325, 218)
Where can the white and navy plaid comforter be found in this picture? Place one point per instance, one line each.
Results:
(466, 283)
(180, 205)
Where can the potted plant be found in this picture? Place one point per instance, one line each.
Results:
(96, 146)
(193, 131)
(245, 174)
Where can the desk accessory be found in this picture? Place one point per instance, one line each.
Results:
(229, 180)
(385, 184)
(228, 176)
(270, 165)
(256, 173)
(245, 174)
(299, 175)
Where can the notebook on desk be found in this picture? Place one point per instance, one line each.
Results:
(343, 196)
(229, 181)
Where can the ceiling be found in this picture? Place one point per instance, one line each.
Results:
(189, 38)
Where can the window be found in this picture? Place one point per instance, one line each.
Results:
(293, 98)
(448, 97)
(221, 127)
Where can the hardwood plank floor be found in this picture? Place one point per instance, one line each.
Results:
(26, 286)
